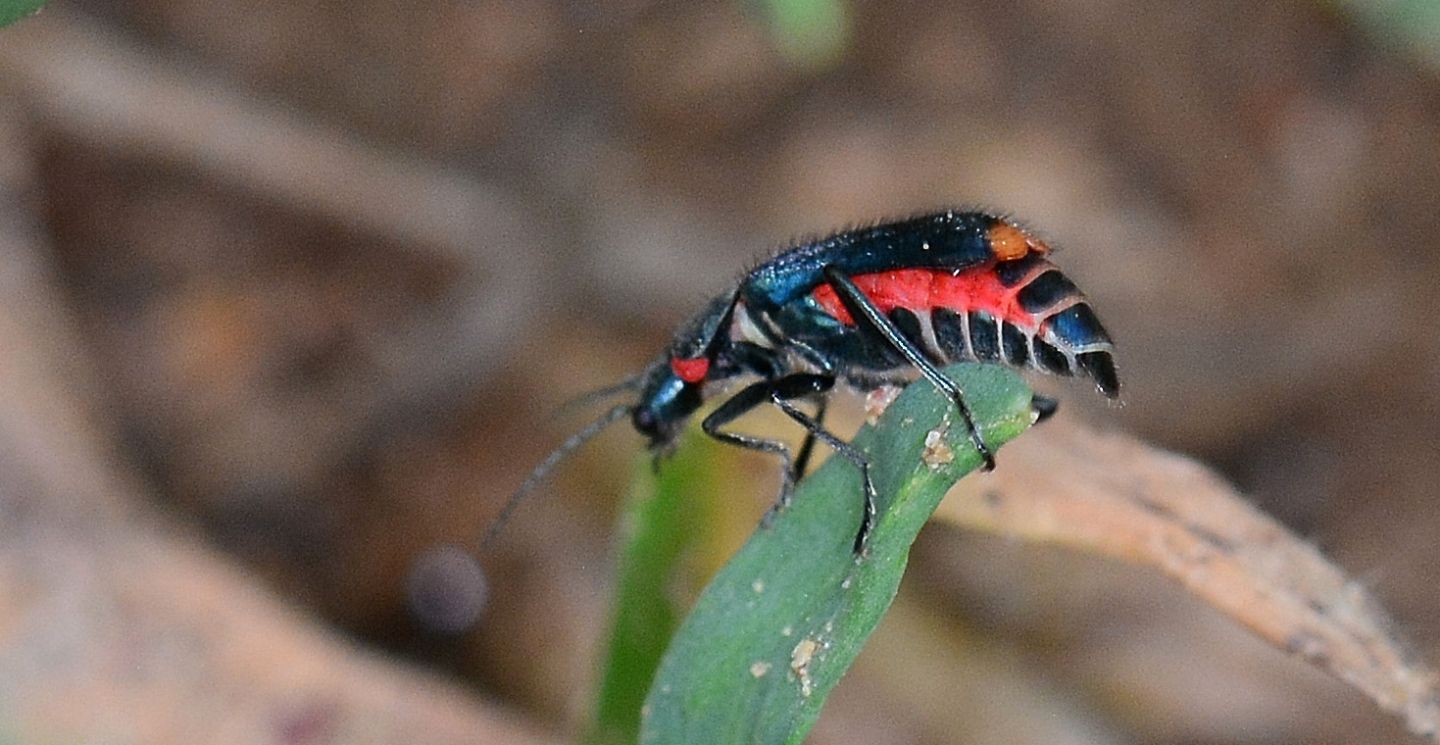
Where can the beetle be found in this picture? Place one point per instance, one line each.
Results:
(868, 307)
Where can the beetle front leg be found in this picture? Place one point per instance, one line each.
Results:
(737, 406)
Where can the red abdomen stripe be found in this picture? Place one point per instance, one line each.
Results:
(923, 290)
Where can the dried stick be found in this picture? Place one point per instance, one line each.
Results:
(1109, 494)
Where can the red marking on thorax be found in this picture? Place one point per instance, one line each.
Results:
(692, 370)
(923, 290)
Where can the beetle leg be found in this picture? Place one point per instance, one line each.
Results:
(867, 316)
(815, 430)
(780, 392)
(770, 391)
(738, 405)
(1043, 406)
(808, 446)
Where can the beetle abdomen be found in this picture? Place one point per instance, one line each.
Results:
(1023, 313)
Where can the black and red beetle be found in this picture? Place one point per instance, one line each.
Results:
(870, 307)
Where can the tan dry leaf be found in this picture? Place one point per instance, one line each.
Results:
(1110, 494)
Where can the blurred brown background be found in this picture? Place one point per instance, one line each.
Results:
(301, 284)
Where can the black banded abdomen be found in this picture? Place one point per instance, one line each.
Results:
(1023, 313)
(1044, 323)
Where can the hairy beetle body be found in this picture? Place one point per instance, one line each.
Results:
(867, 307)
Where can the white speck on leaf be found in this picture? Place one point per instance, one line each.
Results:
(937, 451)
(800, 658)
(758, 669)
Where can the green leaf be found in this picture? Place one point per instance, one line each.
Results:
(784, 619)
(13, 10)
(810, 33)
(662, 519)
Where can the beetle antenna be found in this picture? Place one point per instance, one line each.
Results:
(583, 400)
(543, 470)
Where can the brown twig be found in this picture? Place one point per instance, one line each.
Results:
(1109, 494)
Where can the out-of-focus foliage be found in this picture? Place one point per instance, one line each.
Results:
(663, 520)
(329, 265)
(13, 10)
(812, 33)
(1411, 25)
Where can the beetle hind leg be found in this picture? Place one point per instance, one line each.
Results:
(869, 317)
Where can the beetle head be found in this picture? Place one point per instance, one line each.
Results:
(673, 386)
(666, 403)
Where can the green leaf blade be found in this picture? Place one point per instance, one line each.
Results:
(13, 10)
(781, 623)
(658, 526)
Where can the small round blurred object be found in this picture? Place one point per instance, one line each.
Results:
(446, 589)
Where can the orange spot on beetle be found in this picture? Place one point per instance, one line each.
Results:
(1008, 242)
(692, 370)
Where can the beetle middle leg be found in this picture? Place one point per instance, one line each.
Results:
(802, 461)
(814, 430)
